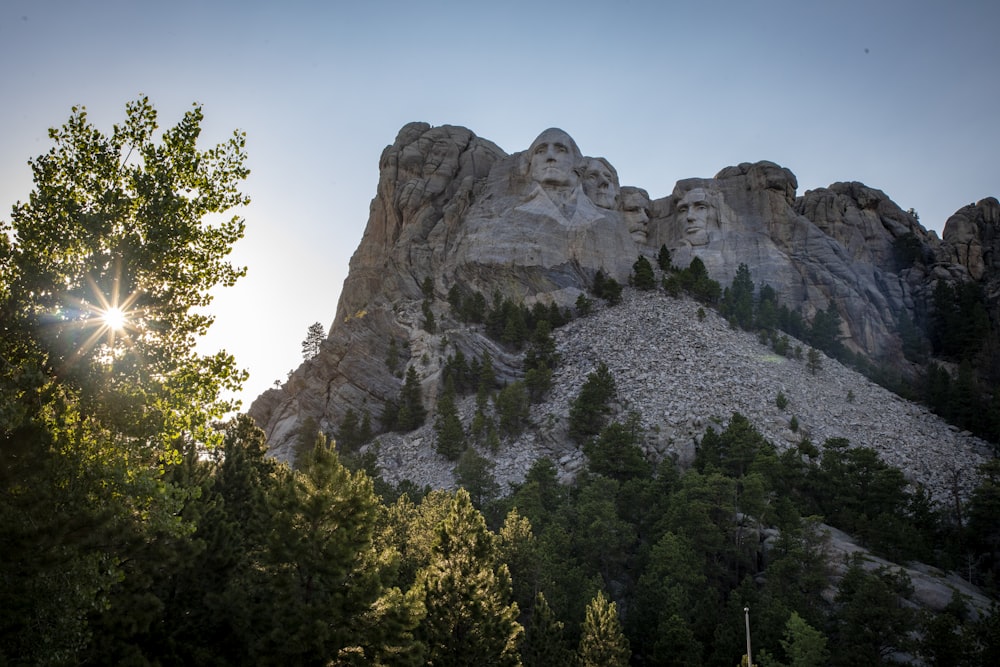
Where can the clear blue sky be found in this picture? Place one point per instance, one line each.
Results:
(902, 95)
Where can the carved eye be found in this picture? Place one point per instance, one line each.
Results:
(561, 148)
(541, 149)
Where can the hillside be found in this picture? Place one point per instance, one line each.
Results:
(683, 374)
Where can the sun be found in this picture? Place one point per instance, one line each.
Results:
(114, 318)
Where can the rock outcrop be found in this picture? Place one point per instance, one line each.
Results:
(536, 226)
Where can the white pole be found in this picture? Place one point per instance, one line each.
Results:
(746, 613)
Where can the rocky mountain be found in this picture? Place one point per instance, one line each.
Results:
(454, 210)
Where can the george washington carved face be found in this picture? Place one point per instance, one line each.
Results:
(553, 159)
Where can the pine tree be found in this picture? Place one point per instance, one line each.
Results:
(321, 568)
(815, 362)
(544, 639)
(804, 645)
(642, 274)
(474, 473)
(450, 440)
(602, 644)
(466, 592)
(392, 356)
(512, 407)
(412, 412)
(348, 435)
(615, 453)
(737, 304)
(589, 409)
(314, 340)
(663, 259)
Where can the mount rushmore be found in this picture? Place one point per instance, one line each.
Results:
(536, 226)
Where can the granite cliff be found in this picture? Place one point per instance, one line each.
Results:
(536, 226)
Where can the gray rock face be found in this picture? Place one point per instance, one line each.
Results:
(537, 225)
(972, 239)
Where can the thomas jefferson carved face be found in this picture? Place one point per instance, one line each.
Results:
(696, 215)
(553, 158)
(600, 184)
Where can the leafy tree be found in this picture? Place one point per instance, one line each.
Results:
(539, 360)
(458, 372)
(600, 537)
(642, 274)
(858, 492)
(315, 335)
(519, 549)
(487, 376)
(603, 643)
(466, 593)
(103, 275)
(583, 305)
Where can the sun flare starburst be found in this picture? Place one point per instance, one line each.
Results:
(114, 318)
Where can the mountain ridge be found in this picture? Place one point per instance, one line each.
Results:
(453, 210)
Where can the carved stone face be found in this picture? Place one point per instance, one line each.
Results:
(600, 184)
(552, 159)
(696, 215)
(635, 211)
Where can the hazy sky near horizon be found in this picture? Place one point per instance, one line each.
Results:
(901, 95)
